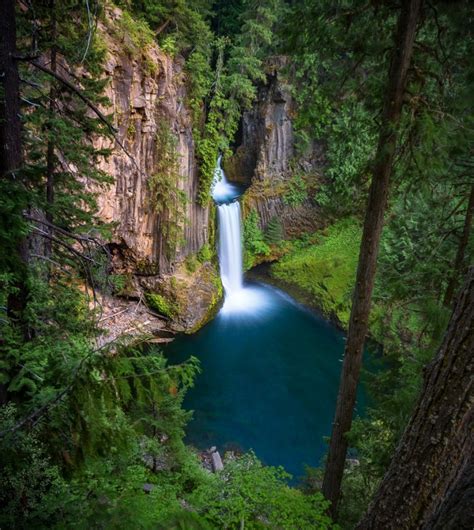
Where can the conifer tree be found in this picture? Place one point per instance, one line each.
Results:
(274, 231)
(374, 217)
(429, 481)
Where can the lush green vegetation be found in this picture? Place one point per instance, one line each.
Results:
(84, 424)
(324, 265)
(255, 246)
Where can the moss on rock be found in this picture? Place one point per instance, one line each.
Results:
(324, 266)
(162, 305)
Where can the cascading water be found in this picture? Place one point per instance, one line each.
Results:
(237, 297)
(230, 249)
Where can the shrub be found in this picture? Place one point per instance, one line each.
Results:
(296, 191)
(191, 263)
(257, 496)
(274, 232)
(254, 241)
(205, 253)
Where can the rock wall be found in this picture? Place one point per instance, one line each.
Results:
(267, 161)
(147, 93)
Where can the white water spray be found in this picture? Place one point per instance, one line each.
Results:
(237, 297)
(230, 247)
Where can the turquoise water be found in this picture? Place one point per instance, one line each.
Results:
(269, 380)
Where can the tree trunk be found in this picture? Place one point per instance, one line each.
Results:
(50, 161)
(11, 154)
(458, 263)
(430, 481)
(358, 325)
(10, 127)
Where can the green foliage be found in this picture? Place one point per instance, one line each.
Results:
(162, 305)
(417, 250)
(205, 254)
(296, 191)
(255, 496)
(168, 199)
(121, 284)
(254, 240)
(274, 231)
(325, 269)
(191, 263)
(183, 520)
(351, 140)
(29, 482)
(134, 33)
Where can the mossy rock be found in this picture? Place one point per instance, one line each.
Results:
(162, 305)
(325, 267)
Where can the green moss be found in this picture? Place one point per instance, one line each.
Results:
(325, 267)
(162, 305)
(122, 284)
(191, 263)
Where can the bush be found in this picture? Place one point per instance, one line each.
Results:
(191, 263)
(205, 253)
(257, 496)
(296, 192)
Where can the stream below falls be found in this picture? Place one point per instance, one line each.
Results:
(270, 367)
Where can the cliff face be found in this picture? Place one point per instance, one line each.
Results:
(147, 92)
(266, 158)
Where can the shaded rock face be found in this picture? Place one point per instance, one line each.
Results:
(266, 157)
(146, 95)
(147, 92)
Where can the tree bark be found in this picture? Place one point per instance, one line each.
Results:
(458, 263)
(11, 155)
(10, 126)
(430, 481)
(50, 159)
(374, 216)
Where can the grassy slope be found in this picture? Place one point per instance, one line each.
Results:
(325, 267)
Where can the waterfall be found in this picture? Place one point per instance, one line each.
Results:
(230, 236)
(237, 297)
(230, 247)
